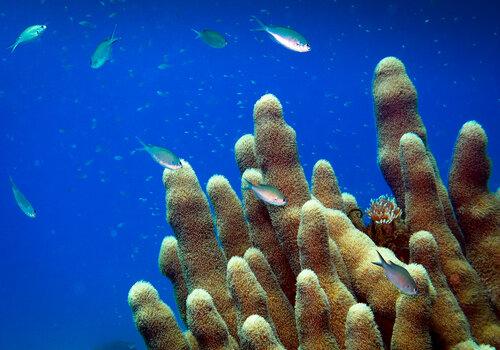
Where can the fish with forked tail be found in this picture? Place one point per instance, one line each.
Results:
(29, 34)
(267, 193)
(287, 37)
(102, 53)
(23, 203)
(398, 276)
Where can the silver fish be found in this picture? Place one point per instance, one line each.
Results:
(211, 38)
(102, 53)
(398, 276)
(29, 34)
(267, 193)
(287, 37)
(87, 24)
(22, 201)
(162, 156)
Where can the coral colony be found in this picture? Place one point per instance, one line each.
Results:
(300, 276)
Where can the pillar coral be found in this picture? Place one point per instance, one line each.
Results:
(478, 210)
(301, 276)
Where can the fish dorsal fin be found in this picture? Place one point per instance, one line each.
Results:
(382, 260)
(113, 34)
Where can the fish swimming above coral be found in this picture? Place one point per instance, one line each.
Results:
(161, 155)
(23, 203)
(287, 37)
(29, 34)
(102, 53)
(211, 38)
(267, 193)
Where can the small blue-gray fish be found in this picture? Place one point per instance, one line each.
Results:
(22, 201)
(287, 37)
(267, 193)
(162, 156)
(211, 38)
(117, 345)
(398, 276)
(29, 34)
(102, 53)
(87, 24)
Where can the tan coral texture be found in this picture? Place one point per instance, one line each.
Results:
(254, 276)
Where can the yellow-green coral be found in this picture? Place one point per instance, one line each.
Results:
(449, 324)
(318, 244)
(265, 238)
(424, 212)
(313, 314)
(314, 251)
(154, 319)
(477, 209)
(361, 330)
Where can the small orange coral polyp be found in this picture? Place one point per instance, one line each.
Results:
(383, 210)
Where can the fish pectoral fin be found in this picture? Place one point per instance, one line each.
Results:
(377, 263)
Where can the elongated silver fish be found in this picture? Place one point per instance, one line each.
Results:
(267, 193)
(102, 53)
(398, 276)
(211, 38)
(287, 37)
(29, 34)
(162, 156)
(22, 201)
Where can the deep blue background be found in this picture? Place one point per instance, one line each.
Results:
(64, 277)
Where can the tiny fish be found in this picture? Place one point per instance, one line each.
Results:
(87, 24)
(211, 38)
(287, 37)
(163, 66)
(116, 345)
(29, 34)
(21, 200)
(267, 193)
(398, 276)
(102, 53)
(162, 156)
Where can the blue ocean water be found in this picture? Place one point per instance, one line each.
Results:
(67, 131)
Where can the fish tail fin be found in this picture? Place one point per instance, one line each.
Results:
(13, 47)
(260, 23)
(247, 186)
(380, 263)
(144, 146)
(198, 34)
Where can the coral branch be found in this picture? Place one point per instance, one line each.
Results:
(425, 212)
(203, 262)
(154, 319)
(396, 114)
(313, 314)
(478, 210)
(277, 155)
